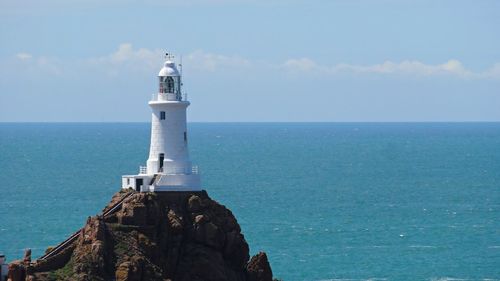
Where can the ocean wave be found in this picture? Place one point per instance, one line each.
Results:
(366, 247)
(423, 246)
(461, 279)
(348, 279)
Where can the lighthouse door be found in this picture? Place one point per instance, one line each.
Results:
(160, 159)
(138, 183)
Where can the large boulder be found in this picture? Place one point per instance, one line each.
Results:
(258, 269)
(17, 271)
(156, 237)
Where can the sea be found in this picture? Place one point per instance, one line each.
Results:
(325, 201)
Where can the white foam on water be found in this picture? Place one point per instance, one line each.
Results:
(422, 246)
(447, 279)
(349, 279)
(461, 279)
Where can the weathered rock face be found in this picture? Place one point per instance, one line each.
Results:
(177, 236)
(258, 268)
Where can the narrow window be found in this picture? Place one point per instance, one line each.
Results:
(170, 84)
(162, 115)
(185, 137)
(163, 88)
(161, 158)
(128, 181)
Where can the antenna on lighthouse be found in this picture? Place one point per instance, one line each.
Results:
(169, 56)
(180, 65)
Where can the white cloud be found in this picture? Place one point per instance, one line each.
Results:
(142, 59)
(24, 56)
(210, 62)
(127, 58)
(407, 67)
(302, 64)
(27, 63)
(48, 6)
(493, 72)
(50, 65)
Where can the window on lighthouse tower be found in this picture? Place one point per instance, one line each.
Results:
(167, 85)
(162, 84)
(170, 84)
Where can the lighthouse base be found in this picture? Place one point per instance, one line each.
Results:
(162, 182)
(177, 182)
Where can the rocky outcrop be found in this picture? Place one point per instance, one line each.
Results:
(177, 236)
(258, 269)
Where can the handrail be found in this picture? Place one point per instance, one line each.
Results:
(180, 170)
(115, 207)
(168, 97)
(62, 245)
(75, 235)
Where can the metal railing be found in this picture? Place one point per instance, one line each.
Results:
(143, 170)
(169, 97)
(63, 245)
(180, 170)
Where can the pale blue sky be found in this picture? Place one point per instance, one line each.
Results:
(358, 60)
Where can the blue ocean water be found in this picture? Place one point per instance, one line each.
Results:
(326, 201)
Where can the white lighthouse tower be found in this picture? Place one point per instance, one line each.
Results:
(168, 167)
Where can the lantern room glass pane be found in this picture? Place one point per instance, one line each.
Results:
(170, 84)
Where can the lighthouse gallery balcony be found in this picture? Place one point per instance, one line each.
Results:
(143, 170)
(169, 97)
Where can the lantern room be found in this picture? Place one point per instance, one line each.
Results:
(170, 81)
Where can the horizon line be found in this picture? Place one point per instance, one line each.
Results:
(234, 122)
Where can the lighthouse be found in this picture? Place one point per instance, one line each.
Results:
(168, 167)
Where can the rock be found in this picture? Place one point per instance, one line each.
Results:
(236, 249)
(115, 199)
(133, 213)
(17, 271)
(90, 256)
(181, 236)
(200, 219)
(194, 203)
(174, 222)
(209, 234)
(27, 257)
(259, 269)
(128, 271)
(49, 249)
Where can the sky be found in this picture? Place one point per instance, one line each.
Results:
(252, 61)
